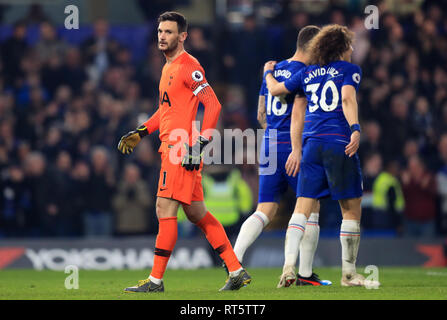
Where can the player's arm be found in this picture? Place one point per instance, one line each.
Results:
(195, 80)
(276, 88)
(212, 108)
(261, 112)
(130, 140)
(296, 133)
(193, 157)
(350, 111)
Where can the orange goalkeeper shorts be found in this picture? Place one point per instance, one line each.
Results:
(175, 182)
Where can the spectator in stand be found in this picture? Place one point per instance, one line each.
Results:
(99, 49)
(12, 203)
(131, 203)
(410, 149)
(397, 128)
(49, 44)
(68, 222)
(80, 175)
(372, 166)
(371, 142)
(12, 52)
(245, 67)
(42, 214)
(419, 187)
(98, 219)
(388, 200)
(74, 74)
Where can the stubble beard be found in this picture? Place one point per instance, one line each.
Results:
(170, 48)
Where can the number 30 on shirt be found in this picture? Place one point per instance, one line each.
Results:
(320, 101)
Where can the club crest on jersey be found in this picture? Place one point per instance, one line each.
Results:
(356, 77)
(197, 76)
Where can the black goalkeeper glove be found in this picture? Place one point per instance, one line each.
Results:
(193, 157)
(130, 140)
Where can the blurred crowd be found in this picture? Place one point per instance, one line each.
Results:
(64, 107)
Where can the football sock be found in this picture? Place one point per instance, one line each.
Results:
(155, 280)
(308, 245)
(294, 234)
(350, 240)
(216, 236)
(250, 231)
(164, 244)
(235, 273)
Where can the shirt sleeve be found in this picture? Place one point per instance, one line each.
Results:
(294, 85)
(153, 123)
(194, 78)
(352, 76)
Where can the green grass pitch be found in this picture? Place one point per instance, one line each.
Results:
(203, 284)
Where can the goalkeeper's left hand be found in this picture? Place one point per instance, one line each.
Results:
(193, 157)
(130, 140)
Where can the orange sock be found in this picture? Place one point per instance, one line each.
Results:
(165, 243)
(218, 239)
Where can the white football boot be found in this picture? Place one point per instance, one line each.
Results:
(357, 280)
(287, 278)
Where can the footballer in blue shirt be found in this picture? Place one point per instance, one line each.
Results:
(274, 115)
(327, 159)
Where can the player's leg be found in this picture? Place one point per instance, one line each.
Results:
(166, 210)
(350, 241)
(294, 235)
(345, 182)
(253, 226)
(215, 234)
(271, 187)
(311, 185)
(308, 246)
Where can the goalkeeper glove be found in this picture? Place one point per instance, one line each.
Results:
(193, 157)
(130, 140)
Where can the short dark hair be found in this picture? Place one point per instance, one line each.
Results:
(305, 35)
(182, 24)
(329, 44)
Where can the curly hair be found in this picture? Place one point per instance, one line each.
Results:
(330, 44)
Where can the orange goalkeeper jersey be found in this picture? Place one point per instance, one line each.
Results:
(182, 86)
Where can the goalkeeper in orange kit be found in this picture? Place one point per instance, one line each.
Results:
(182, 86)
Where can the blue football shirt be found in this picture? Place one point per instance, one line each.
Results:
(322, 85)
(279, 109)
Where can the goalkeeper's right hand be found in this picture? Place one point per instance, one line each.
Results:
(130, 140)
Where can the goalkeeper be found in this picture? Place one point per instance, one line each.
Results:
(182, 87)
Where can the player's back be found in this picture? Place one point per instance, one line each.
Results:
(322, 86)
(279, 109)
